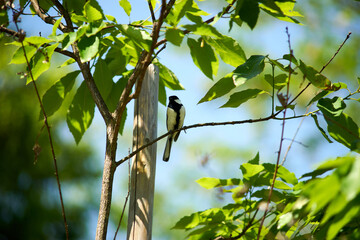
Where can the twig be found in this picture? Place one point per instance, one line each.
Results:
(323, 68)
(46, 18)
(281, 140)
(293, 139)
(242, 232)
(151, 11)
(49, 134)
(126, 200)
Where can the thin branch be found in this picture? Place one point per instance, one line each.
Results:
(126, 200)
(293, 139)
(46, 18)
(281, 139)
(49, 134)
(323, 68)
(151, 11)
(65, 13)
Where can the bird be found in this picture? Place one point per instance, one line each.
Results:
(175, 116)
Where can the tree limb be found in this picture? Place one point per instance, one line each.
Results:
(47, 19)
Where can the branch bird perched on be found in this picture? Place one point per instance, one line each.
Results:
(174, 120)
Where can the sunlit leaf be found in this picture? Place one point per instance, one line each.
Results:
(19, 58)
(168, 77)
(41, 62)
(140, 37)
(228, 49)
(88, 47)
(125, 4)
(249, 170)
(93, 11)
(210, 183)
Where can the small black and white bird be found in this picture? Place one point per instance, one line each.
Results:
(174, 120)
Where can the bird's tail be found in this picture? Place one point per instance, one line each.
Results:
(167, 149)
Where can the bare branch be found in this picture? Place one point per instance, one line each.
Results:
(45, 17)
(151, 11)
(323, 68)
(49, 135)
(65, 13)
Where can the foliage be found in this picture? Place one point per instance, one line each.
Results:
(299, 208)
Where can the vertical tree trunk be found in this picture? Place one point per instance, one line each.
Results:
(144, 163)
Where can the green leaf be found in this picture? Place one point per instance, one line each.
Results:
(41, 62)
(203, 56)
(351, 184)
(168, 77)
(93, 11)
(178, 11)
(80, 113)
(251, 68)
(249, 170)
(55, 95)
(284, 220)
(228, 49)
(75, 7)
(19, 58)
(319, 96)
(320, 129)
(341, 220)
(255, 160)
(188, 222)
(220, 88)
(203, 30)
(241, 97)
(162, 93)
(141, 38)
(174, 35)
(67, 62)
(56, 25)
(69, 39)
(278, 82)
(116, 61)
(341, 126)
(88, 47)
(282, 11)
(111, 18)
(249, 12)
(287, 176)
(210, 183)
(125, 4)
(316, 78)
(103, 78)
(37, 40)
